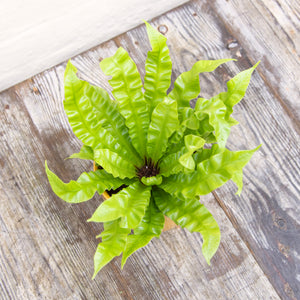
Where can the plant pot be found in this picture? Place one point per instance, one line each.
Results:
(169, 224)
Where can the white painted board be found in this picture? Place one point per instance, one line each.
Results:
(36, 35)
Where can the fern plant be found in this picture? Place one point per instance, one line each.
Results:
(164, 153)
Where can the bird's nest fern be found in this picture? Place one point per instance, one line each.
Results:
(152, 143)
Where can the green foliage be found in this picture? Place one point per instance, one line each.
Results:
(187, 87)
(127, 90)
(165, 152)
(153, 180)
(192, 144)
(209, 174)
(114, 238)
(194, 216)
(129, 205)
(158, 69)
(215, 109)
(114, 164)
(150, 226)
(85, 152)
(85, 187)
(164, 122)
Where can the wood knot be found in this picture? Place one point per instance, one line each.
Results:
(289, 291)
(285, 250)
(279, 222)
(231, 44)
(163, 29)
(36, 90)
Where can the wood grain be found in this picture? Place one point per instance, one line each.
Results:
(268, 30)
(47, 247)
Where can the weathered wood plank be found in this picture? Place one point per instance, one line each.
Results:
(47, 247)
(49, 240)
(269, 31)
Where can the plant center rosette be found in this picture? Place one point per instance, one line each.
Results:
(164, 153)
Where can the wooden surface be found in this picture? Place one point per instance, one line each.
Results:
(36, 35)
(47, 246)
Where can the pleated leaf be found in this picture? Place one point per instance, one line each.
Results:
(236, 90)
(175, 162)
(114, 163)
(177, 136)
(82, 115)
(164, 122)
(110, 123)
(111, 119)
(170, 164)
(187, 86)
(86, 152)
(129, 204)
(237, 178)
(153, 180)
(205, 128)
(192, 215)
(203, 154)
(192, 144)
(216, 110)
(85, 187)
(127, 90)
(210, 174)
(113, 243)
(151, 226)
(209, 137)
(188, 118)
(158, 68)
